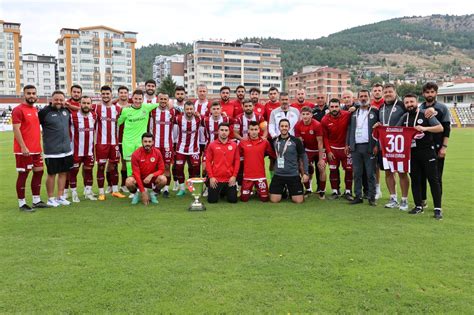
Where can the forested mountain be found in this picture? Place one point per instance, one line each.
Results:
(431, 35)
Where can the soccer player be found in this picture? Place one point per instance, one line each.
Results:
(147, 172)
(242, 121)
(135, 121)
(334, 128)
(291, 160)
(253, 150)
(430, 90)
(161, 126)
(301, 101)
(82, 128)
(150, 90)
(258, 108)
(124, 102)
(201, 105)
(27, 149)
(309, 131)
(227, 107)
(54, 121)
(179, 99)
(423, 162)
(74, 103)
(223, 161)
(239, 101)
(106, 147)
(283, 112)
(377, 96)
(211, 123)
(363, 148)
(187, 147)
(272, 103)
(320, 109)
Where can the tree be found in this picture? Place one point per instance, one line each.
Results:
(405, 88)
(167, 86)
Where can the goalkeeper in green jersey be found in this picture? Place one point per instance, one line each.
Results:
(135, 120)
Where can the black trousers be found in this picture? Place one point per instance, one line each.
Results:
(222, 190)
(424, 166)
(440, 177)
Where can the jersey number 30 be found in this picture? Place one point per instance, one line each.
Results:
(395, 143)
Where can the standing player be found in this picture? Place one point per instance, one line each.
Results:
(211, 123)
(187, 147)
(309, 131)
(242, 122)
(258, 108)
(227, 107)
(124, 102)
(178, 106)
(253, 150)
(82, 128)
(239, 101)
(377, 96)
(161, 126)
(301, 101)
(27, 149)
(106, 147)
(150, 89)
(135, 121)
(320, 109)
(283, 112)
(201, 105)
(73, 104)
(148, 168)
(272, 103)
(334, 128)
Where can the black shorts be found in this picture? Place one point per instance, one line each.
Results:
(295, 187)
(59, 165)
(380, 162)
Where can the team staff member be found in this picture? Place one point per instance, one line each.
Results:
(430, 90)
(423, 162)
(27, 149)
(291, 160)
(253, 150)
(363, 149)
(54, 120)
(320, 109)
(223, 160)
(283, 112)
(147, 171)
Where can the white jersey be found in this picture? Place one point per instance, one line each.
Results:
(82, 133)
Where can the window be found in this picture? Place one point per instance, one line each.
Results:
(217, 75)
(30, 65)
(250, 69)
(11, 74)
(46, 73)
(251, 53)
(47, 88)
(30, 73)
(10, 56)
(31, 80)
(74, 41)
(10, 46)
(233, 76)
(232, 52)
(11, 84)
(45, 66)
(233, 68)
(74, 59)
(232, 60)
(73, 50)
(217, 67)
(47, 81)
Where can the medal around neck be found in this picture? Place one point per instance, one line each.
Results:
(196, 187)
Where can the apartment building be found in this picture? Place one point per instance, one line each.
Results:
(315, 80)
(10, 58)
(95, 56)
(216, 64)
(40, 71)
(169, 66)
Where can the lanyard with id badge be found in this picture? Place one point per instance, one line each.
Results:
(413, 141)
(281, 155)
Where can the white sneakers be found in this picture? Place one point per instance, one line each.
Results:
(124, 189)
(52, 203)
(75, 197)
(62, 202)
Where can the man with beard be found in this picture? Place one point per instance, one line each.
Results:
(310, 132)
(377, 96)
(284, 111)
(82, 127)
(272, 104)
(106, 147)
(135, 121)
(222, 166)
(147, 172)
(430, 90)
(54, 121)
(363, 148)
(239, 101)
(73, 104)
(423, 161)
(150, 90)
(301, 100)
(320, 109)
(124, 102)
(161, 126)
(334, 127)
(27, 149)
(242, 121)
(258, 108)
(227, 107)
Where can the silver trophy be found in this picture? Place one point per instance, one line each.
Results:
(196, 187)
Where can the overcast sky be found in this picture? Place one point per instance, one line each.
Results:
(185, 21)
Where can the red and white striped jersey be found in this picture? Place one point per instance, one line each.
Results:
(154, 100)
(241, 123)
(211, 127)
(188, 134)
(82, 133)
(161, 126)
(201, 108)
(106, 127)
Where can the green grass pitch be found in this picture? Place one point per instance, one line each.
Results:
(319, 257)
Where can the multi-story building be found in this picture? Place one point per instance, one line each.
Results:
(319, 80)
(216, 64)
(95, 56)
(40, 71)
(10, 58)
(169, 66)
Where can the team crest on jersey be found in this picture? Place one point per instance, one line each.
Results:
(152, 159)
(311, 132)
(64, 113)
(420, 121)
(394, 109)
(229, 148)
(371, 116)
(326, 111)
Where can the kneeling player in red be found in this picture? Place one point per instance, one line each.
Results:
(148, 168)
(253, 150)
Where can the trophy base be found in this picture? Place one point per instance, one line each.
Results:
(197, 207)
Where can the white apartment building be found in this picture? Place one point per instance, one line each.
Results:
(10, 58)
(169, 66)
(39, 70)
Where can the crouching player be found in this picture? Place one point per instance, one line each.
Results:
(253, 150)
(148, 168)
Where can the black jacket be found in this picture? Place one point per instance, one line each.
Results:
(55, 125)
